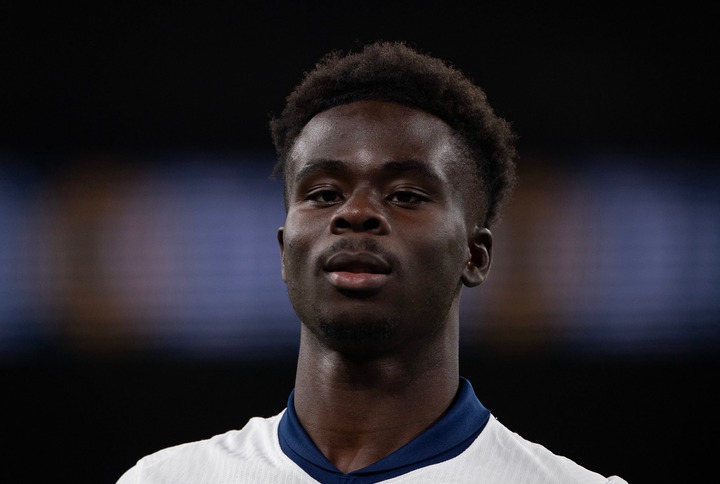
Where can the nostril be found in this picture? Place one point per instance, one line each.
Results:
(368, 225)
(371, 224)
(341, 223)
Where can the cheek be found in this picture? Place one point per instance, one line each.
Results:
(454, 250)
(442, 257)
(299, 238)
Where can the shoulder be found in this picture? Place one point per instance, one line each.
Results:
(499, 455)
(235, 456)
(499, 446)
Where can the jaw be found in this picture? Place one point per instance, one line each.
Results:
(362, 333)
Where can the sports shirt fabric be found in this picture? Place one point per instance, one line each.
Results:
(466, 445)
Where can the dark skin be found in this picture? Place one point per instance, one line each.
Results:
(378, 242)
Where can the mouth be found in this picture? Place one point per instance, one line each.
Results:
(357, 271)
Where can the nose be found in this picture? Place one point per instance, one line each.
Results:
(359, 214)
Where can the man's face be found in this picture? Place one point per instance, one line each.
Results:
(377, 241)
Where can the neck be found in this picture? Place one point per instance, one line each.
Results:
(358, 411)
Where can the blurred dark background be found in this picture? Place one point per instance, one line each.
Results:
(141, 304)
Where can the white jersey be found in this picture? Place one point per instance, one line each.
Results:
(255, 454)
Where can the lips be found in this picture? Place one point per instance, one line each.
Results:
(362, 271)
(363, 262)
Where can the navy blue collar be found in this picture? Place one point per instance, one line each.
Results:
(447, 438)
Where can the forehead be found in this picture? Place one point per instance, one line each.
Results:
(369, 131)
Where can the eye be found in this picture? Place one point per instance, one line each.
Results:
(324, 197)
(406, 198)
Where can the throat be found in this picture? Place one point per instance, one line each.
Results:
(355, 426)
(360, 410)
(354, 444)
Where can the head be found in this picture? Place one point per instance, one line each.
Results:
(394, 167)
(387, 71)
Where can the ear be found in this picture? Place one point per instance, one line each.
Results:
(281, 241)
(480, 248)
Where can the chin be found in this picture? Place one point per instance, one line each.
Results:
(363, 338)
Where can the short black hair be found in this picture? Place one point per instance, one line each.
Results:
(395, 72)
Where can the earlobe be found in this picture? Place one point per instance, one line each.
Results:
(478, 266)
(281, 242)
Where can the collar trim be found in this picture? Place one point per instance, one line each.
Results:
(447, 438)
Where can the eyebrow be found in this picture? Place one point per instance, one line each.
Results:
(398, 167)
(320, 166)
(414, 167)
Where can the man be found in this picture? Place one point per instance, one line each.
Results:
(394, 169)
